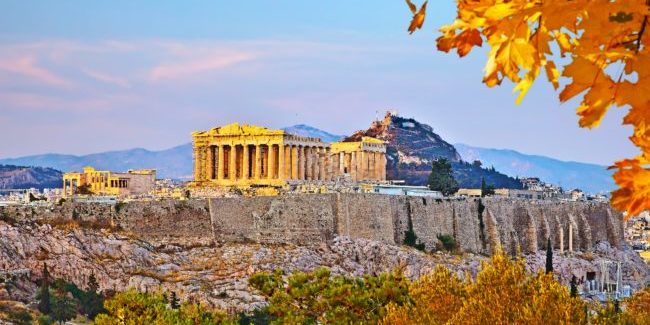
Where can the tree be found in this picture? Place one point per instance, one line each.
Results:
(84, 189)
(603, 47)
(477, 163)
(574, 286)
(43, 296)
(133, 307)
(549, 256)
(319, 298)
(92, 302)
(441, 178)
(486, 190)
(503, 293)
(174, 303)
(64, 308)
(410, 238)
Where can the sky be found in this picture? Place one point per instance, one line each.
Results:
(80, 77)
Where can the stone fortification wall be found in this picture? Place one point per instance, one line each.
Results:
(477, 226)
(180, 222)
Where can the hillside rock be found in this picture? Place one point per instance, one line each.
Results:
(217, 275)
(412, 146)
(20, 177)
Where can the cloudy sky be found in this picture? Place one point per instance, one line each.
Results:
(80, 77)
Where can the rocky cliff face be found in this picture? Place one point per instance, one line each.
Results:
(217, 275)
(19, 177)
(412, 146)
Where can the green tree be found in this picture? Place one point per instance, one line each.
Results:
(486, 190)
(319, 298)
(92, 302)
(44, 300)
(549, 256)
(22, 317)
(133, 307)
(448, 242)
(64, 307)
(174, 302)
(410, 238)
(574, 286)
(441, 178)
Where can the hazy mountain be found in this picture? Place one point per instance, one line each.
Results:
(569, 174)
(19, 177)
(175, 162)
(309, 131)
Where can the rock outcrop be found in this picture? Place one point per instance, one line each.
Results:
(216, 275)
(412, 146)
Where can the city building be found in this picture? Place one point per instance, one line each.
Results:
(100, 182)
(390, 189)
(248, 155)
(520, 194)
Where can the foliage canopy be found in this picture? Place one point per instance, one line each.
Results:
(597, 48)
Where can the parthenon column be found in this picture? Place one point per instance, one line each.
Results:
(301, 162)
(270, 174)
(281, 161)
(316, 164)
(382, 158)
(245, 163)
(209, 166)
(321, 165)
(361, 156)
(353, 165)
(258, 161)
(341, 163)
(294, 162)
(377, 165)
(309, 161)
(232, 169)
(220, 162)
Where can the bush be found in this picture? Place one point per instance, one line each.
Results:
(22, 317)
(448, 242)
(319, 298)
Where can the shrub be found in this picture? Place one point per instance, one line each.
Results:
(448, 242)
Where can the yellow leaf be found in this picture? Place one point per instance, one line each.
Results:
(418, 18)
(552, 74)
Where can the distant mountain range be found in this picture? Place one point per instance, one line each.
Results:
(569, 174)
(14, 177)
(176, 162)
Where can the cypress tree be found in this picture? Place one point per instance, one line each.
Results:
(549, 257)
(44, 301)
(574, 286)
(174, 303)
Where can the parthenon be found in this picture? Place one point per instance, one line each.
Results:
(247, 155)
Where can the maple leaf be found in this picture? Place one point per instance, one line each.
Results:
(418, 17)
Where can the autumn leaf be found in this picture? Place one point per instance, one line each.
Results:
(605, 50)
(418, 17)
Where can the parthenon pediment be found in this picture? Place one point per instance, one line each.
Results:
(244, 129)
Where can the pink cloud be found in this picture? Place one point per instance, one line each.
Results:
(199, 65)
(105, 78)
(27, 66)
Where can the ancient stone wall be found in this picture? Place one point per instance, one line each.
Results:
(477, 226)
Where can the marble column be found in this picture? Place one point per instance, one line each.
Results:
(281, 161)
(232, 168)
(308, 163)
(220, 162)
(321, 165)
(353, 166)
(377, 165)
(301, 163)
(341, 163)
(197, 164)
(270, 174)
(246, 163)
(209, 163)
(382, 170)
(258, 162)
(294, 162)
